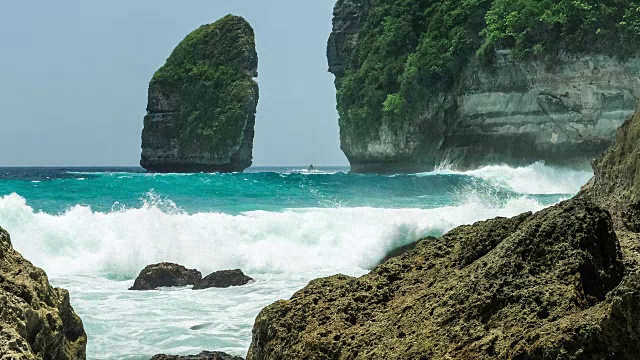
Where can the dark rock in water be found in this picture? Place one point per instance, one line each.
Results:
(36, 320)
(223, 279)
(205, 355)
(165, 275)
(550, 285)
(202, 102)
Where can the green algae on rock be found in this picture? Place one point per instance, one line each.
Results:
(36, 320)
(476, 82)
(202, 102)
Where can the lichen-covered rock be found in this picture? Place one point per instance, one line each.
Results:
(468, 83)
(202, 102)
(550, 285)
(223, 279)
(616, 181)
(205, 355)
(165, 275)
(36, 320)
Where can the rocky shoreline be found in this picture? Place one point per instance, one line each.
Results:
(563, 283)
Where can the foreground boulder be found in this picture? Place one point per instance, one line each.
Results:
(205, 355)
(36, 320)
(550, 285)
(616, 183)
(202, 102)
(165, 275)
(223, 279)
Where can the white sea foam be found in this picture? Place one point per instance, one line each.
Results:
(96, 254)
(123, 241)
(536, 178)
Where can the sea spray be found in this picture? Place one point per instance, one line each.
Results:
(536, 178)
(283, 227)
(120, 243)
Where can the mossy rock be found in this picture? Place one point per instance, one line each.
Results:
(202, 102)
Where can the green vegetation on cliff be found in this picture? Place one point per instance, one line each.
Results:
(410, 50)
(210, 73)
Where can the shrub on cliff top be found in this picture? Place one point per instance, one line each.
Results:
(211, 72)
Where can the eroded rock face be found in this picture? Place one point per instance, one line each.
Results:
(616, 183)
(202, 102)
(205, 355)
(539, 286)
(519, 112)
(223, 279)
(564, 109)
(165, 275)
(36, 320)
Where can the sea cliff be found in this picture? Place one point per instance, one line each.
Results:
(563, 283)
(471, 83)
(202, 102)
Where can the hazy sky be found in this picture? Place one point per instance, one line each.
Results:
(74, 76)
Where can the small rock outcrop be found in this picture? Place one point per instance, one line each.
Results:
(205, 355)
(36, 320)
(165, 275)
(223, 279)
(422, 84)
(202, 102)
(539, 286)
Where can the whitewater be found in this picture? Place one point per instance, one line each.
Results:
(93, 230)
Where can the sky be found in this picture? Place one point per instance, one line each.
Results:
(74, 77)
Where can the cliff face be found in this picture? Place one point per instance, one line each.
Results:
(202, 102)
(36, 320)
(422, 85)
(563, 283)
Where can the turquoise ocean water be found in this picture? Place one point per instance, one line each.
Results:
(93, 229)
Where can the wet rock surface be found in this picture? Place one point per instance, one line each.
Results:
(165, 275)
(37, 321)
(223, 279)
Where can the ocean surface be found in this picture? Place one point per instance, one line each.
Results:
(93, 229)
